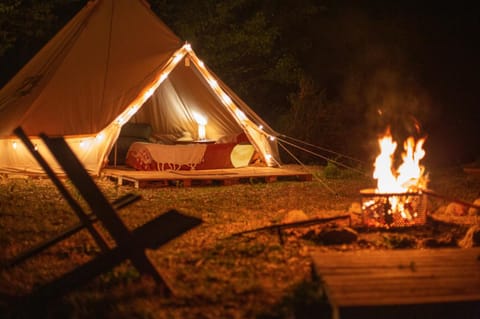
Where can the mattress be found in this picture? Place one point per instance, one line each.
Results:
(160, 157)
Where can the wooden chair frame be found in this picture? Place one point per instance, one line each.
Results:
(130, 245)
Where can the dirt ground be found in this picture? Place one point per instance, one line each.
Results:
(213, 272)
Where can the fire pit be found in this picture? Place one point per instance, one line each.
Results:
(393, 209)
(397, 201)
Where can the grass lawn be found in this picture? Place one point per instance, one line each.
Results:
(213, 274)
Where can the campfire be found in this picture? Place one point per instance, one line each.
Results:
(397, 201)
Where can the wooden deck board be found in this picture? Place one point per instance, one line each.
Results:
(226, 176)
(396, 282)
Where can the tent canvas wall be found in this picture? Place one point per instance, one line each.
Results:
(113, 62)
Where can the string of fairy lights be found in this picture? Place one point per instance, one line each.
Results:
(184, 52)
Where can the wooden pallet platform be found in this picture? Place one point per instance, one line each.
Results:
(203, 177)
(434, 283)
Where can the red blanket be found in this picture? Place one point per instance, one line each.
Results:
(149, 156)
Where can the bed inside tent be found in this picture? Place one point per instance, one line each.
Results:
(183, 126)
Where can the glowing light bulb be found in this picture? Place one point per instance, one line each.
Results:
(100, 137)
(202, 122)
(149, 93)
(213, 83)
(241, 116)
(162, 78)
(85, 143)
(177, 58)
(133, 109)
(226, 99)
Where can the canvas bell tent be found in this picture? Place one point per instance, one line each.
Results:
(117, 62)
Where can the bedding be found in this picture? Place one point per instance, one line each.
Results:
(130, 133)
(151, 156)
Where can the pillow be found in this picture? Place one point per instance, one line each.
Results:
(138, 130)
(130, 133)
(217, 156)
(241, 155)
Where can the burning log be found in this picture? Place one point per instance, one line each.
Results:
(393, 209)
(411, 207)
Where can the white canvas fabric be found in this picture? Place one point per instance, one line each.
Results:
(114, 62)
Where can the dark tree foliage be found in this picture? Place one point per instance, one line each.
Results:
(7, 35)
(26, 25)
(253, 45)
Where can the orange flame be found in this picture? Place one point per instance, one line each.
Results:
(410, 174)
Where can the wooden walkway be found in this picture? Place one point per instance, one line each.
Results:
(204, 177)
(435, 283)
